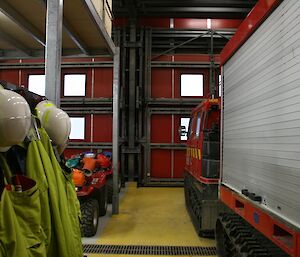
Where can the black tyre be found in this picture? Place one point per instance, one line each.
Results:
(109, 184)
(103, 201)
(90, 214)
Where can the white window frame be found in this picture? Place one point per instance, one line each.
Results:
(186, 125)
(37, 84)
(191, 84)
(79, 122)
(220, 85)
(198, 125)
(77, 86)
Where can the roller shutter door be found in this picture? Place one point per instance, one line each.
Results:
(262, 114)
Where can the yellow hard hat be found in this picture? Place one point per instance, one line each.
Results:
(57, 124)
(42, 107)
(15, 119)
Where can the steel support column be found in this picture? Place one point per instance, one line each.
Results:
(53, 49)
(123, 58)
(212, 84)
(140, 102)
(116, 87)
(147, 95)
(132, 102)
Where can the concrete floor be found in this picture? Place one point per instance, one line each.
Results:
(148, 216)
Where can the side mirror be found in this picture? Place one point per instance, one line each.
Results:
(182, 131)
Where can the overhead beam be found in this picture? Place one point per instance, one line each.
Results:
(72, 34)
(100, 26)
(182, 44)
(15, 16)
(203, 9)
(75, 37)
(238, 3)
(192, 12)
(15, 43)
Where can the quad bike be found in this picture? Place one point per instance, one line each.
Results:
(91, 189)
(93, 183)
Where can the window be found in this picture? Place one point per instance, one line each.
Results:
(220, 85)
(74, 84)
(190, 130)
(184, 122)
(198, 125)
(191, 85)
(37, 84)
(77, 128)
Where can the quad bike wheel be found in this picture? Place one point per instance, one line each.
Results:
(90, 214)
(103, 201)
(110, 188)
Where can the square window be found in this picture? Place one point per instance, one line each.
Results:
(220, 85)
(77, 128)
(74, 84)
(191, 85)
(198, 125)
(184, 122)
(37, 84)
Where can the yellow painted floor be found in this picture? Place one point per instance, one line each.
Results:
(151, 216)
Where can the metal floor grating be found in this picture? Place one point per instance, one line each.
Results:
(149, 250)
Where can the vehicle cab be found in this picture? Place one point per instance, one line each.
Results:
(203, 142)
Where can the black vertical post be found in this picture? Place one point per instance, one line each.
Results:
(132, 102)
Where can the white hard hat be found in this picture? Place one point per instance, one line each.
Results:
(15, 119)
(42, 107)
(57, 124)
(1, 87)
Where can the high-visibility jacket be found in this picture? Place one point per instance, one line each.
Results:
(21, 233)
(39, 167)
(69, 204)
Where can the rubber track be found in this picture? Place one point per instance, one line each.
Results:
(247, 241)
(193, 203)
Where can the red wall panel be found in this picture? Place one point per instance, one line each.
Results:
(162, 58)
(179, 163)
(102, 128)
(192, 58)
(160, 164)
(103, 82)
(161, 128)
(225, 23)
(11, 76)
(120, 22)
(180, 23)
(187, 58)
(161, 83)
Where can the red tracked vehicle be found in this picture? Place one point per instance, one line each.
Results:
(260, 136)
(202, 166)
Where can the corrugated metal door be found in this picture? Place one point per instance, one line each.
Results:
(262, 114)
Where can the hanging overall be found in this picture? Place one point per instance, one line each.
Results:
(70, 206)
(21, 233)
(38, 166)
